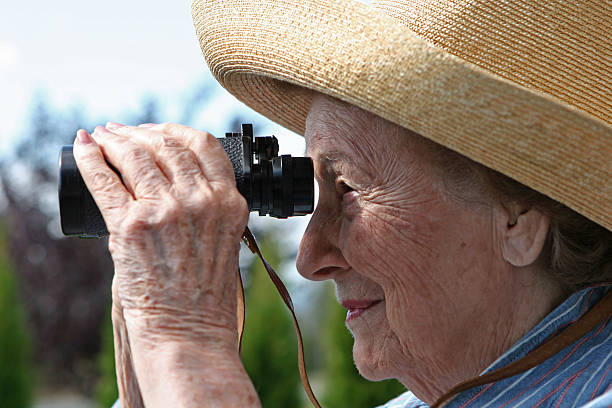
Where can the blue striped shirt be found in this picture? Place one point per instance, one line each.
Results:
(579, 376)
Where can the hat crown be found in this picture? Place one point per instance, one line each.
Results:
(558, 47)
(522, 88)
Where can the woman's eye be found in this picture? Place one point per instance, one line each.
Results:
(343, 188)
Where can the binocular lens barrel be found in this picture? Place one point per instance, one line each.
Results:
(279, 186)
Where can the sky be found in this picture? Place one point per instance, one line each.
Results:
(104, 58)
(99, 56)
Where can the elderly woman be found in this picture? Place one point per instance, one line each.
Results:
(463, 155)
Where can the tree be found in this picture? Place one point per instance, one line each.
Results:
(106, 389)
(64, 282)
(344, 387)
(269, 350)
(15, 369)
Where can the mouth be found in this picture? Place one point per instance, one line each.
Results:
(357, 307)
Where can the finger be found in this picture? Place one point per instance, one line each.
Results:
(103, 183)
(213, 160)
(113, 125)
(177, 161)
(137, 165)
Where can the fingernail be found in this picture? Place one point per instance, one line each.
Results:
(113, 125)
(83, 137)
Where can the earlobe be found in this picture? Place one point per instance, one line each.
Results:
(523, 236)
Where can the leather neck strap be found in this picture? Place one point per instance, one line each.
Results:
(282, 290)
(600, 312)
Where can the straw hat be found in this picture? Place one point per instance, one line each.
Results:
(521, 86)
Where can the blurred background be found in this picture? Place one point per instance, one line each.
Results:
(70, 64)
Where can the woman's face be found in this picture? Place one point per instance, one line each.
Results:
(409, 263)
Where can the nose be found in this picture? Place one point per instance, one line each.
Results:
(319, 257)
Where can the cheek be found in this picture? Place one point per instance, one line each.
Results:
(386, 248)
(421, 265)
(377, 250)
(361, 241)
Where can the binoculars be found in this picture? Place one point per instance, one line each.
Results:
(279, 186)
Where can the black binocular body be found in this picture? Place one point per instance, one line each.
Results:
(279, 186)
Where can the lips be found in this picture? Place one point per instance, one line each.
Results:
(357, 307)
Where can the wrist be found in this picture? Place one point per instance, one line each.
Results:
(155, 329)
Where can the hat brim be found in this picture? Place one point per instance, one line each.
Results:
(271, 54)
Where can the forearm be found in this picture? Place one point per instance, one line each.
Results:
(182, 376)
(179, 374)
(164, 365)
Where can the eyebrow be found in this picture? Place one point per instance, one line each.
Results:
(333, 156)
(335, 161)
(327, 160)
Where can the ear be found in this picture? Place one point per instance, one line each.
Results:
(522, 232)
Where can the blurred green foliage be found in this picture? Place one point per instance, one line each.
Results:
(16, 376)
(269, 351)
(344, 386)
(106, 389)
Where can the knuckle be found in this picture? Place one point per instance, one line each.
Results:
(211, 202)
(197, 143)
(101, 181)
(170, 142)
(170, 212)
(186, 159)
(135, 154)
(231, 201)
(135, 224)
(153, 217)
(196, 202)
(169, 128)
(185, 135)
(175, 130)
(147, 183)
(204, 143)
(208, 139)
(87, 159)
(145, 220)
(85, 156)
(236, 201)
(226, 206)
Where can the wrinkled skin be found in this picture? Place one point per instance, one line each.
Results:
(441, 275)
(455, 283)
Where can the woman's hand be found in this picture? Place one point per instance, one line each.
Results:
(175, 220)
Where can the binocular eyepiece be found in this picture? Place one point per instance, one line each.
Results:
(279, 186)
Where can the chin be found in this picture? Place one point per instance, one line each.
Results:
(370, 363)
